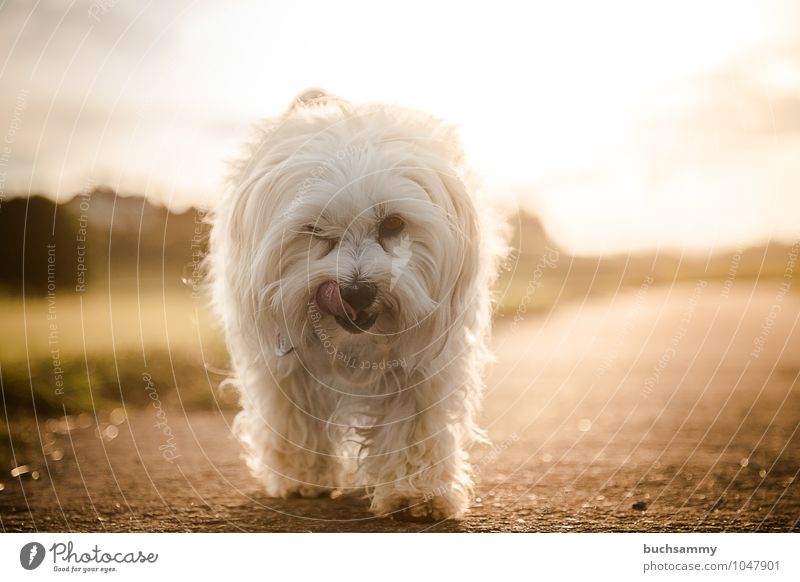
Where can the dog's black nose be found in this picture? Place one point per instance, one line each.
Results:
(359, 295)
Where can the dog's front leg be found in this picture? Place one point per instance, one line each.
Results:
(289, 446)
(416, 465)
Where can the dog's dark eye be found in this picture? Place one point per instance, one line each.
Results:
(312, 230)
(391, 225)
(319, 234)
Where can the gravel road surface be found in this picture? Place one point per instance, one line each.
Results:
(653, 409)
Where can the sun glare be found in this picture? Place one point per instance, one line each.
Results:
(607, 119)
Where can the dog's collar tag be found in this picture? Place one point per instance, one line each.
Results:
(283, 346)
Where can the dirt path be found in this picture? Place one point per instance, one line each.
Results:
(646, 411)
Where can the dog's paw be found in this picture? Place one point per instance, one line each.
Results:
(287, 488)
(423, 508)
(427, 510)
(312, 491)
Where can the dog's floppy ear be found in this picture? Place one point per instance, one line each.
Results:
(467, 284)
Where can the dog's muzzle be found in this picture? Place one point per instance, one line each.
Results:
(348, 304)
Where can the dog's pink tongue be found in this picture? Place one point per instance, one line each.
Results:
(330, 300)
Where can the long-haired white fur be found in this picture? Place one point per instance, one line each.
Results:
(351, 262)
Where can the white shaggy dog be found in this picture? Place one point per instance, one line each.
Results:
(351, 266)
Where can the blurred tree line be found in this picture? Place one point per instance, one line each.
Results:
(96, 240)
(99, 239)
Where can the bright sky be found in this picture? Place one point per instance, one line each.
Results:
(626, 124)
